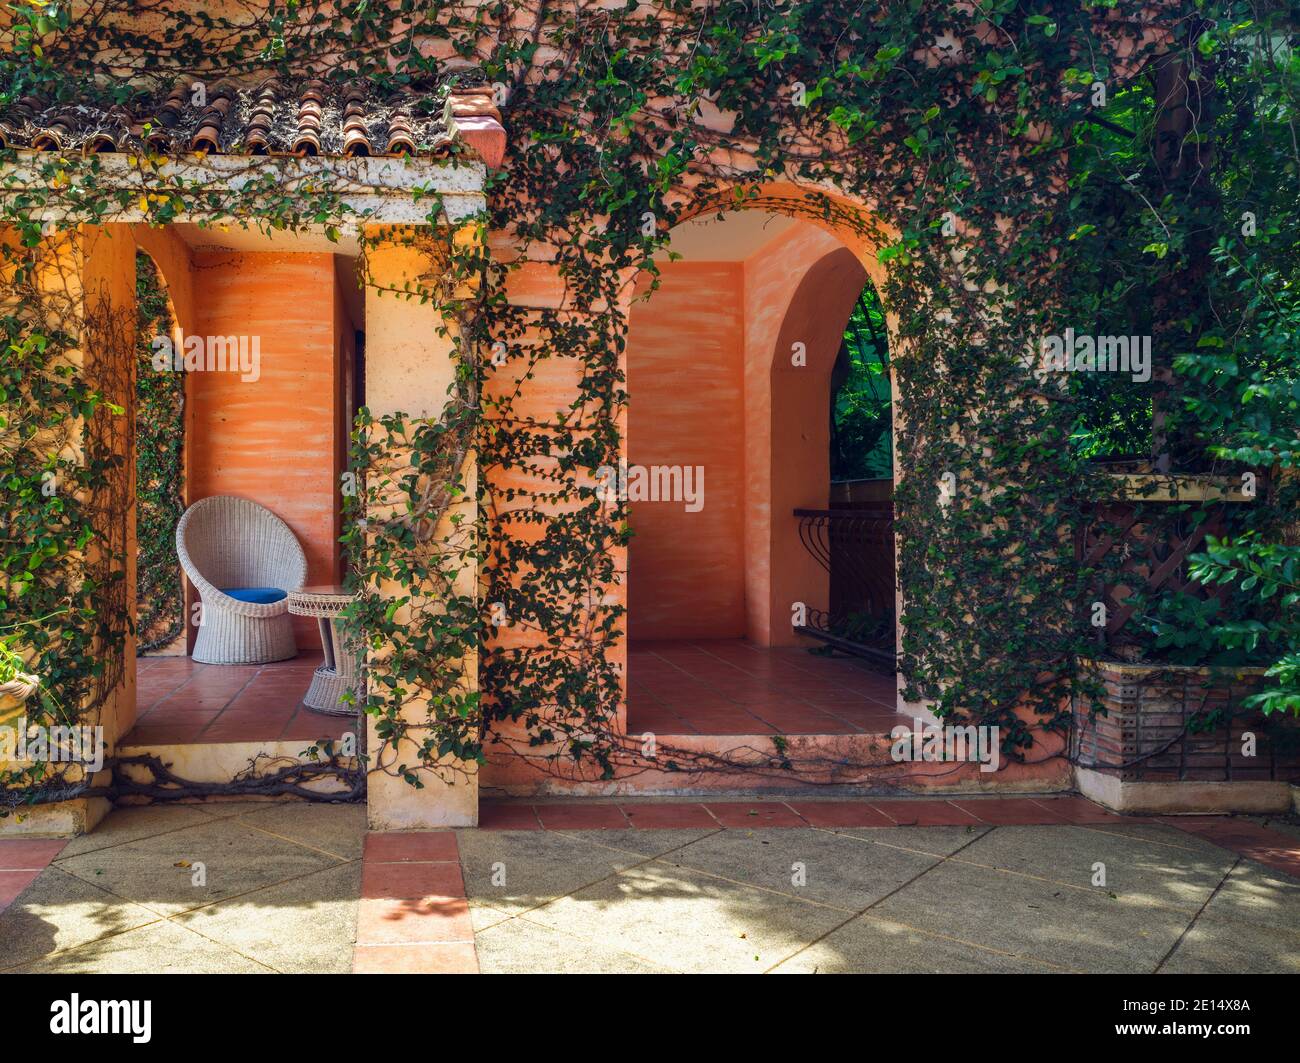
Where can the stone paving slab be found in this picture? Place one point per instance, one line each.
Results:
(159, 873)
(688, 921)
(295, 887)
(160, 947)
(1131, 869)
(811, 865)
(1073, 928)
(306, 925)
(872, 945)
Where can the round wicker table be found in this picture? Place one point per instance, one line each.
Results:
(338, 673)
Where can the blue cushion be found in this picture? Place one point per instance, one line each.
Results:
(256, 595)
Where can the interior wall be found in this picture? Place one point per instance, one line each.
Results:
(686, 382)
(817, 314)
(772, 281)
(276, 439)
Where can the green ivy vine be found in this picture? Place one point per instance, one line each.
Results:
(159, 468)
(947, 138)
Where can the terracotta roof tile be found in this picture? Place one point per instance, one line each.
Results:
(271, 118)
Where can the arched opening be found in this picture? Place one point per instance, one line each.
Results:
(160, 496)
(736, 365)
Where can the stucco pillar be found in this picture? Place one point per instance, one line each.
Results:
(409, 368)
(88, 275)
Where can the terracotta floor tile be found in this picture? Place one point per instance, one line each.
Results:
(1078, 810)
(21, 854)
(754, 815)
(395, 846)
(669, 816)
(493, 816)
(1009, 811)
(12, 883)
(164, 735)
(443, 958)
(581, 817)
(923, 813)
(411, 881)
(833, 814)
(408, 922)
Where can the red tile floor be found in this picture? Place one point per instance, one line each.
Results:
(181, 701)
(728, 687)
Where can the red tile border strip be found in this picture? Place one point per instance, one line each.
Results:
(21, 861)
(829, 815)
(413, 916)
(1273, 849)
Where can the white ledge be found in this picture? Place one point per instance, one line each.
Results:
(378, 189)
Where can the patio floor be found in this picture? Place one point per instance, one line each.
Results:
(730, 687)
(294, 887)
(179, 701)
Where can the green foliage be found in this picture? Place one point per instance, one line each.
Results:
(159, 467)
(603, 133)
(861, 413)
(1266, 573)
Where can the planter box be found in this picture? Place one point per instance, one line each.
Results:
(1141, 756)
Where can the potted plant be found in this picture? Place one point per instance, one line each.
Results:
(16, 685)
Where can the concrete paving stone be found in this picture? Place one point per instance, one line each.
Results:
(937, 841)
(537, 866)
(1226, 946)
(306, 926)
(224, 809)
(62, 911)
(871, 945)
(677, 918)
(520, 946)
(339, 830)
(236, 859)
(131, 823)
(1135, 870)
(835, 870)
(1079, 929)
(159, 948)
(1261, 896)
(1160, 834)
(642, 842)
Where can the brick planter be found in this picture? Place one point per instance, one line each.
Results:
(1142, 757)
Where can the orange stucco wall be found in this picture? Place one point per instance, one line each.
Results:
(276, 440)
(686, 408)
(710, 383)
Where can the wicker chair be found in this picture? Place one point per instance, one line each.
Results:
(232, 544)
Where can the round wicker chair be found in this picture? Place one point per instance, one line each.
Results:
(227, 543)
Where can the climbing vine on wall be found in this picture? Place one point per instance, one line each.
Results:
(159, 467)
(936, 136)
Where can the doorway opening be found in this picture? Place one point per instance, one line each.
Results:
(760, 366)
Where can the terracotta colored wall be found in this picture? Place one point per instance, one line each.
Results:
(771, 276)
(685, 382)
(710, 382)
(274, 440)
(797, 472)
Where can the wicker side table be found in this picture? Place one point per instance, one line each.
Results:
(338, 674)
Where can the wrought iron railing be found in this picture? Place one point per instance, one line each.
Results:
(856, 548)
